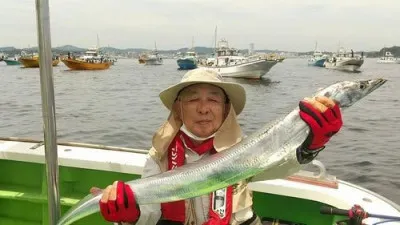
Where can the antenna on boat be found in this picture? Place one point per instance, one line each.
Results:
(98, 42)
(48, 108)
(215, 41)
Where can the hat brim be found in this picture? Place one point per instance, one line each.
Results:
(235, 93)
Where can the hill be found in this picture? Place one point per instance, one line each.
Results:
(395, 50)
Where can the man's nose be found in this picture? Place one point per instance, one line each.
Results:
(203, 107)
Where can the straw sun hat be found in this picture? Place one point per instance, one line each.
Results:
(235, 92)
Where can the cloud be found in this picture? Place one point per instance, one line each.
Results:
(287, 25)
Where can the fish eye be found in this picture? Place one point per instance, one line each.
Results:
(362, 85)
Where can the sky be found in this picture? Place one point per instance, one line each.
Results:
(289, 25)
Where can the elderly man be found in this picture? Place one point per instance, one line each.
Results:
(203, 122)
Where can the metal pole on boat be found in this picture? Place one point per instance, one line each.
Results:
(215, 42)
(48, 108)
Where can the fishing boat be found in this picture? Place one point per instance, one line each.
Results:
(91, 53)
(297, 198)
(32, 61)
(142, 58)
(388, 58)
(229, 63)
(153, 58)
(317, 59)
(76, 64)
(94, 54)
(344, 61)
(12, 61)
(280, 58)
(188, 61)
(274, 56)
(45, 177)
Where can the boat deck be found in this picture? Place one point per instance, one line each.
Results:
(80, 168)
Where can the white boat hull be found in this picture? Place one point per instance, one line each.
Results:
(251, 70)
(351, 65)
(153, 62)
(388, 61)
(344, 196)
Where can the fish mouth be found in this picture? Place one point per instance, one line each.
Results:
(375, 84)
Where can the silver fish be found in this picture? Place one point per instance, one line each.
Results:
(266, 153)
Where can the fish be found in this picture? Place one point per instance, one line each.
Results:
(270, 153)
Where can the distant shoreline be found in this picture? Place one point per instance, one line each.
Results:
(395, 50)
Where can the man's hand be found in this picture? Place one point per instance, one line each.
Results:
(118, 203)
(324, 118)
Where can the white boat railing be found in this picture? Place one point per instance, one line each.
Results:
(77, 144)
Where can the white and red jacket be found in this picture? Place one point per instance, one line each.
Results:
(197, 209)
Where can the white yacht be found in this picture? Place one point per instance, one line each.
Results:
(388, 59)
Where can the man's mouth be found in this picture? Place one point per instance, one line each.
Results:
(203, 122)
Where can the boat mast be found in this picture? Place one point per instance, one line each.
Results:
(215, 42)
(98, 45)
(383, 53)
(48, 109)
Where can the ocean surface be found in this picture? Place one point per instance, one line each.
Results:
(120, 107)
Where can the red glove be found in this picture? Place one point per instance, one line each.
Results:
(124, 208)
(322, 125)
(357, 214)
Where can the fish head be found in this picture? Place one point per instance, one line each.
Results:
(346, 93)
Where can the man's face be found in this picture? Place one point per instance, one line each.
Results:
(202, 108)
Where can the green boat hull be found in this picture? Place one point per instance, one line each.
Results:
(23, 196)
(10, 62)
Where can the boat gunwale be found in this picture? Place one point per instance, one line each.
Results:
(77, 144)
(135, 167)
